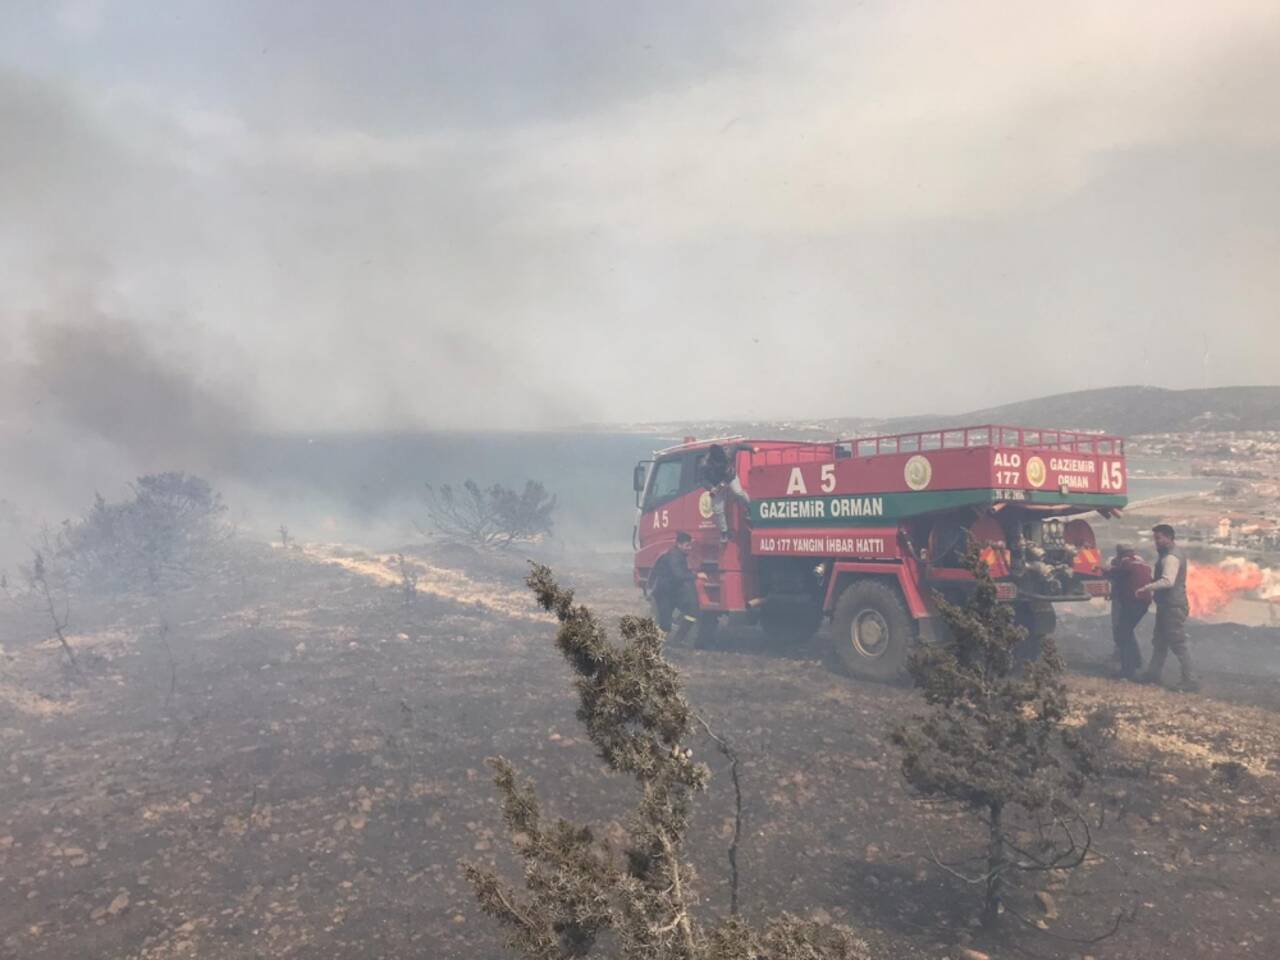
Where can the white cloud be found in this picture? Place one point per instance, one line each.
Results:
(902, 187)
(81, 19)
(936, 110)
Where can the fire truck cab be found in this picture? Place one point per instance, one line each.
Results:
(870, 532)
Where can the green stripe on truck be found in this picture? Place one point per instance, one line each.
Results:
(853, 510)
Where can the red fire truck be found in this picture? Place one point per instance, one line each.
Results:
(870, 531)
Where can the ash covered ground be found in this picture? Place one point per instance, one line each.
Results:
(298, 773)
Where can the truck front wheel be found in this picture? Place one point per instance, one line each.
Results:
(871, 631)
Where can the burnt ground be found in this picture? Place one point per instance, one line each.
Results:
(299, 772)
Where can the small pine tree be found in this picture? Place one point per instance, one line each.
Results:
(167, 530)
(582, 900)
(994, 740)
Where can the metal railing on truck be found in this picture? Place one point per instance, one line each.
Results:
(780, 456)
(986, 435)
(921, 441)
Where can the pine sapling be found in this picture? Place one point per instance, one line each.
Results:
(994, 741)
(583, 898)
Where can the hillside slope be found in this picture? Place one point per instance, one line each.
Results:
(1127, 411)
(1134, 410)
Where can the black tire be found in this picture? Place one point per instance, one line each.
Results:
(789, 625)
(871, 634)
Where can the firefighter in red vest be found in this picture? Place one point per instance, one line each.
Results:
(1128, 574)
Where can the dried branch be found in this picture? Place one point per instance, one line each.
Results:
(1120, 919)
(949, 868)
(408, 579)
(732, 756)
(38, 576)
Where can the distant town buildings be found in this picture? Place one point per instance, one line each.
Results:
(1240, 532)
(1242, 512)
(1253, 448)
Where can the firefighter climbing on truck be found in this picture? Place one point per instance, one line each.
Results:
(869, 532)
(721, 481)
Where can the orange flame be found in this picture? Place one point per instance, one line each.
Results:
(1209, 589)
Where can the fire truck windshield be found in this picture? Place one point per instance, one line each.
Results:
(665, 482)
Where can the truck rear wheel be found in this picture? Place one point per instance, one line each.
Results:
(871, 631)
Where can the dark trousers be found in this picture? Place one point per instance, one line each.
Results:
(667, 600)
(1170, 636)
(1124, 621)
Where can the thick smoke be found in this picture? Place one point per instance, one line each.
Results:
(100, 377)
(89, 402)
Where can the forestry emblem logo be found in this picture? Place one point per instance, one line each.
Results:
(1036, 473)
(918, 472)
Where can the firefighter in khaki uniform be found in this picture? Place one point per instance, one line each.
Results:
(1169, 589)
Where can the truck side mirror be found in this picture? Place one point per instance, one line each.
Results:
(638, 476)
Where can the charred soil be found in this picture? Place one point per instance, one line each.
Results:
(300, 771)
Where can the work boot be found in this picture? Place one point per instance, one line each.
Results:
(1155, 667)
(1189, 682)
(1187, 671)
(680, 629)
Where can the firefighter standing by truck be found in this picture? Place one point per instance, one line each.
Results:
(672, 586)
(1128, 574)
(1169, 590)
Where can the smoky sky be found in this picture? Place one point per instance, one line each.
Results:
(341, 216)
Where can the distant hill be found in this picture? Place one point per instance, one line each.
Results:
(1127, 411)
